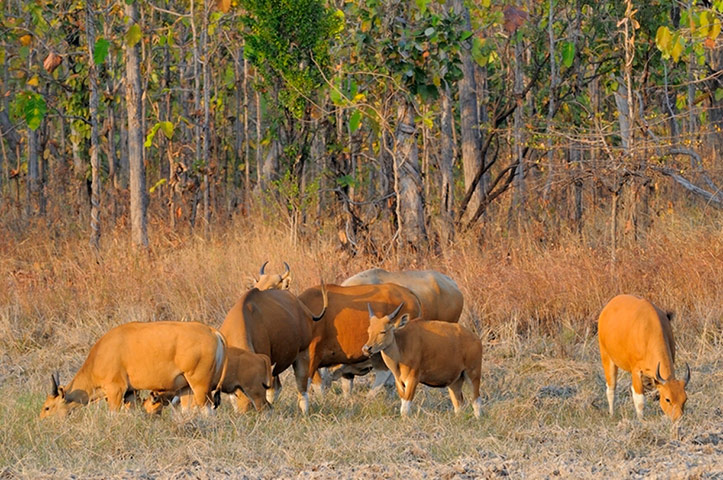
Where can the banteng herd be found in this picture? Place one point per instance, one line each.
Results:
(402, 324)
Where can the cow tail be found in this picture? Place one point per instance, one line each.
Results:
(222, 363)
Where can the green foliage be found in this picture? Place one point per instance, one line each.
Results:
(288, 41)
(133, 35)
(417, 47)
(100, 51)
(31, 107)
(165, 127)
(568, 53)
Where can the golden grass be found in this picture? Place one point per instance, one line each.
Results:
(534, 299)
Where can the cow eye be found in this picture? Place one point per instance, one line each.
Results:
(667, 400)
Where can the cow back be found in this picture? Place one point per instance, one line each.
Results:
(340, 334)
(271, 322)
(439, 296)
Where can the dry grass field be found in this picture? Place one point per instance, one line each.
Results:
(533, 299)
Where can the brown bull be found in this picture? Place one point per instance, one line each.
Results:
(248, 376)
(635, 336)
(339, 336)
(274, 323)
(160, 356)
(439, 296)
(437, 354)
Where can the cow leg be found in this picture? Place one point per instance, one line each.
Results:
(320, 381)
(301, 372)
(474, 378)
(272, 394)
(410, 387)
(638, 396)
(611, 379)
(455, 394)
(381, 378)
(114, 395)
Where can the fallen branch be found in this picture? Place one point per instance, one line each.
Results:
(715, 198)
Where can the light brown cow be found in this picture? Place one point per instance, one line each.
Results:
(437, 354)
(439, 296)
(268, 281)
(248, 375)
(275, 323)
(160, 356)
(339, 336)
(635, 335)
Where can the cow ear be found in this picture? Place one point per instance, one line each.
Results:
(403, 320)
(286, 283)
(61, 392)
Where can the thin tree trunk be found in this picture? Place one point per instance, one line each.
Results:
(206, 120)
(409, 188)
(94, 147)
(520, 194)
(139, 199)
(446, 162)
(260, 184)
(551, 104)
(469, 121)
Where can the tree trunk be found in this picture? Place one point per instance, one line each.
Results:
(93, 109)
(469, 120)
(139, 199)
(446, 162)
(408, 181)
(518, 204)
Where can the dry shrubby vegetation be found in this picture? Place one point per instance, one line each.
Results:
(534, 299)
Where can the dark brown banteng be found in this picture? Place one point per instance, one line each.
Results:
(274, 323)
(339, 336)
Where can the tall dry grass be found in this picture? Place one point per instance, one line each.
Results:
(532, 296)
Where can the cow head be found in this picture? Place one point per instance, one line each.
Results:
(672, 393)
(154, 403)
(268, 281)
(381, 330)
(57, 404)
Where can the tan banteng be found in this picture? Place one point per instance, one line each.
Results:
(635, 335)
(437, 354)
(159, 356)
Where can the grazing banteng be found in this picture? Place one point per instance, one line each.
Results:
(439, 296)
(437, 354)
(278, 325)
(635, 335)
(248, 374)
(160, 356)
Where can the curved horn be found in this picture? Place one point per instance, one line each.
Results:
(658, 378)
(263, 267)
(395, 312)
(371, 312)
(316, 318)
(288, 270)
(54, 388)
(687, 374)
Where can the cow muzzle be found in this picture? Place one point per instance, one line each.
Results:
(367, 350)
